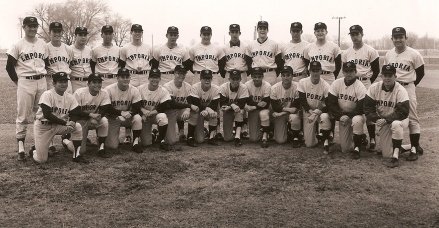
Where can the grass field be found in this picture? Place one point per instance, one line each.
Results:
(220, 186)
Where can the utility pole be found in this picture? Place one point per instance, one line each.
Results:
(339, 19)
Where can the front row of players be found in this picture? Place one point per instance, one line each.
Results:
(286, 108)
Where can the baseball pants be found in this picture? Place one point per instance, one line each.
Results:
(108, 81)
(139, 79)
(216, 79)
(352, 126)
(414, 126)
(197, 120)
(311, 127)
(173, 116)
(395, 130)
(76, 84)
(102, 130)
(229, 117)
(330, 78)
(44, 133)
(256, 120)
(271, 77)
(114, 124)
(281, 126)
(146, 135)
(166, 78)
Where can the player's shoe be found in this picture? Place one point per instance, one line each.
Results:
(32, 151)
(164, 146)
(89, 143)
(296, 143)
(372, 145)
(326, 149)
(21, 156)
(379, 152)
(206, 133)
(137, 148)
(103, 154)
(413, 156)
(191, 142)
(52, 151)
(219, 137)
(69, 146)
(356, 153)
(419, 150)
(80, 159)
(182, 138)
(392, 163)
(238, 142)
(244, 135)
(212, 142)
(127, 140)
(264, 144)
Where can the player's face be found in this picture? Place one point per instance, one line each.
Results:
(262, 32)
(137, 34)
(287, 78)
(320, 34)
(107, 37)
(257, 79)
(356, 37)
(315, 76)
(206, 81)
(350, 75)
(234, 35)
(81, 39)
(60, 86)
(154, 81)
(295, 34)
(55, 35)
(234, 83)
(388, 79)
(399, 41)
(30, 30)
(205, 37)
(172, 37)
(179, 77)
(95, 86)
(123, 80)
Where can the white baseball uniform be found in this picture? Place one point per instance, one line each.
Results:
(137, 62)
(235, 59)
(59, 61)
(362, 58)
(168, 58)
(263, 55)
(107, 62)
(292, 53)
(80, 66)
(325, 54)
(206, 57)
(258, 117)
(229, 117)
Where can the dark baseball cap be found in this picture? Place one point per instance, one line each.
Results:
(172, 29)
(30, 21)
(123, 72)
(262, 24)
(206, 74)
(388, 69)
(180, 68)
(95, 77)
(349, 66)
(81, 30)
(154, 73)
(60, 76)
(136, 27)
(398, 31)
(55, 26)
(234, 27)
(206, 29)
(315, 66)
(107, 28)
(296, 26)
(320, 25)
(355, 29)
(235, 75)
(287, 69)
(257, 71)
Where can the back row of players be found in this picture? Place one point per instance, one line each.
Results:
(28, 58)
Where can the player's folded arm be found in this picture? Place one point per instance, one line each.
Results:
(178, 105)
(104, 110)
(370, 109)
(337, 61)
(267, 103)
(10, 68)
(214, 104)
(251, 102)
(77, 114)
(135, 108)
(163, 107)
(223, 100)
(195, 101)
(248, 61)
(333, 108)
(375, 66)
(401, 112)
(48, 115)
(93, 66)
(358, 110)
(419, 74)
(303, 102)
(276, 105)
(111, 111)
(222, 65)
(241, 102)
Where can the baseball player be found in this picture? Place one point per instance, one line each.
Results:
(59, 55)
(179, 90)
(284, 99)
(124, 110)
(312, 94)
(367, 62)
(258, 105)
(345, 104)
(387, 104)
(265, 53)
(56, 116)
(95, 102)
(233, 97)
(26, 68)
(324, 51)
(205, 97)
(234, 53)
(136, 57)
(292, 52)
(207, 56)
(409, 66)
(155, 102)
(105, 57)
(170, 54)
(81, 58)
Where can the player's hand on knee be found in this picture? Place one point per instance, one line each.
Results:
(185, 114)
(204, 113)
(70, 126)
(225, 108)
(213, 115)
(317, 111)
(262, 104)
(380, 122)
(276, 114)
(195, 108)
(249, 108)
(312, 117)
(126, 114)
(235, 107)
(95, 116)
(344, 119)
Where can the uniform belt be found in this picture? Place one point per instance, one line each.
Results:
(405, 83)
(108, 75)
(297, 74)
(138, 72)
(326, 72)
(79, 79)
(35, 77)
(199, 72)
(269, 69)
(363, 78)
(169, 72)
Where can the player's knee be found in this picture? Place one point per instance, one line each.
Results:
(137, 122)
(357, 124)
(325, 121)
(161, 119)
(396, 125)
(294, 120)
(239, 116)
(264, 115)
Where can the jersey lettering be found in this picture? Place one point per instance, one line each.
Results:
(363, 62)
(121, 103)
(204, 57)
(401, 66)
(347, 97)
(137, 56)
(58, 59)
(314, 96)
(321, 57)
(108, 59)
(75, 62)
(265, 53)
(293, 56)
(30, 56)
(235, 55)
(171, 58)
(57, 110)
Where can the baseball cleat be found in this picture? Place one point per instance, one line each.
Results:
(137, 148)
(212, 142)
(127, 140)
(21, 156)
(80, 159)
(392, 163)
(244, 135)
(191, 142)
(238, 142)
(219, 136)
(413, 156)
(419, 150)
(31, 151)
(372, 146)
(164, 146)
(264, 144)
(69, 146)
(356, 154)
(103, 154)
(326, 149)
(296, 143)
(52, 151)
(182, 138)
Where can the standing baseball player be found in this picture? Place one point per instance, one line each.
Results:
(56, 116)
(95, 102)
(180, 110)
(207, 56)
(136, 57)
(284, 99)
(292, 52)
(265, 53)
(233, 97)
(367, 62)
(105, 57)
(170, 54)
(257, 106)
(26, 68)
(409, 66)
(205, 99)
(155, 102)
(81, 58)
(313, 92)
(234, 53)
(387, 104)
(324, 51)
(124, 110)
(345, 104)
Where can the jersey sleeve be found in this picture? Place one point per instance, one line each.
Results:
(248, 50)
(402, 95)
(386, 58)
(168, 88)
(136, 95)
(192, 53)
(371, 92)
(77, 97)
(344, 57)
(336, 50)
(373, 54)
(306, 52)
(185, 54)
(14, 51)
(418, 60)
(216, 92)
(325, 89)
(333, 89)
(45, 99)
(267, 90)
(74, 103)
(223, 90)
(274, 94)
(301, 87)
(194, 92)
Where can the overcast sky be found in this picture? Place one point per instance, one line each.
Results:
(377, 17)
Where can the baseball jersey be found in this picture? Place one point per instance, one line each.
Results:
(90, 103)
(348, 96)
(60, 105)
(286, 96)
(136, 57)
(80, 63)
(122, 100)
(205, 96)
(233, 97)
(206, 57)
(386, 101)
(292, 53)
(258, 93)
(30, 57)
(315, 94)
(59, 58)
(170, 57)
(263, 54)
(106, 58)
(235, 57)
(150, 99)
(405, 63)
(362, 59)
(181, 93)
(325, 54)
